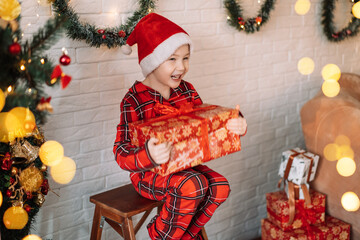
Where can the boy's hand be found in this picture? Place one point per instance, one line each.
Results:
(160, 153)
(237, 125)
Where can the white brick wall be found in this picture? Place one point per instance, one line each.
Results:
(257, 71)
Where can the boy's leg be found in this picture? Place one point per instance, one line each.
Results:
(181, 192)
(218, 192)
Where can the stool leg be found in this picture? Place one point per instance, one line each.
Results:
(96, 229)
(128, 229)
(203, 233)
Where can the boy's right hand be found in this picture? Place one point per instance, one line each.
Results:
(160, 153)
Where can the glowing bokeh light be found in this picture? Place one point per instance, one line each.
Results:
(345, 151)
(302, 7)
(346, 167)
(26, 119)
(331, 152)
(356, 10)
(51, 153)
(63, 172)
(330, 88)
(32, 237)
(2, 100)
(1, 198)
(10, 127)
(306, 66)
(342, 140)
(331, 71)
(350, 201)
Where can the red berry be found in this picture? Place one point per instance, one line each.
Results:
(27, 208)
(15, 48)
(122, 34)
(8, 193)
(103, 36)
(12, 180)
(101, 31)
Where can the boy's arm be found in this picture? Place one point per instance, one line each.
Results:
(128, 156)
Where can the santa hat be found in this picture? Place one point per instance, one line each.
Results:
(157, 39)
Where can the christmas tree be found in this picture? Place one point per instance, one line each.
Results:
(24, 71)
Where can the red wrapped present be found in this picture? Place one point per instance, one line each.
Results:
(331, 229)
(279, 211)
(198, 134)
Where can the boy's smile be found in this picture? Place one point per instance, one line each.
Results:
(170, 73)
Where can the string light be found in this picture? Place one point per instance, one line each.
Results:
(9, 89)
(150, 10)
(22, 67)
(228, 17)
(42, 61)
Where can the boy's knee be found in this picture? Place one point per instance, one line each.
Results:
(220, 191)
(195, 185)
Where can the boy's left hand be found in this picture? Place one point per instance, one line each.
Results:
(237, 125)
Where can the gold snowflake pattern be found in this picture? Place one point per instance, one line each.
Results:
(227, 146)
(273, 233)
(297, 223)
(160, 123)
(221, 134)
(181, 145)
(344, 235)
(186, 131)
(215, 124)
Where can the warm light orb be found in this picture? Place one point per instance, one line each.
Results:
(350, 201)
(346, 167)
(51, 153)
(15, 218)
(2, 100)
(331, 71)
(26, 119)
(1, 198)
(63, 172)
(345, 151)
(302, 6)
(330, 88)
(306, 66)
(32, 237)
(10, 127)
(331, 152)
(356, 10)
(342, 140)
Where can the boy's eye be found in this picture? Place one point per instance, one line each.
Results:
(172, 59)
(186, 58)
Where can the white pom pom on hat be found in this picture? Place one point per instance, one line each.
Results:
(157, 38)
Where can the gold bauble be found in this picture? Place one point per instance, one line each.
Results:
(40, 199)
(51, 153)
(63, 172)
(31, 179)
(10, 127)
(9, 9)
(15, 218)
(43, 168)
(2, 100)
(14, 171)
(26, 119)
(32, 237)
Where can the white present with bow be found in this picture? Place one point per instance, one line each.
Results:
(303, 166)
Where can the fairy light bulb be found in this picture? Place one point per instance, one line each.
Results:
(42, 61)
(9, 89)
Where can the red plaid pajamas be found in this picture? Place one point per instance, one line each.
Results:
(190, 196)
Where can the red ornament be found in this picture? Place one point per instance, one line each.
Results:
(101, 31)
(6, 162)
(348, 31)
(15, 48)
(45, 187)
(29, 195)
(8, 193)
(27, 208)
(103, 36)
(258, 20)
(12, 180)
(121, 33)
(65, 60)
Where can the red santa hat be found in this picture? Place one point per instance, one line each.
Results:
(157, 39)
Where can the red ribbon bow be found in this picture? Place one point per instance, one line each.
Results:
(165, 109)
(45, 100)
(65, 79)
(6, 162)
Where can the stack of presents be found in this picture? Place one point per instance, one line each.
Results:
(298, 212)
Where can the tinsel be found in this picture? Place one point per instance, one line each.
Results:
(352, 29)
(250, 25)
(95, 36)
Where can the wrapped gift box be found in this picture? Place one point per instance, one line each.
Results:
(331, 229)
(303, 165)
(278, 210)
(198, 135)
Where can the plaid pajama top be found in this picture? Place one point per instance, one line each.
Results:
(138, 104)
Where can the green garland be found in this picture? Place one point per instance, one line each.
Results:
(111, 37)
(249, 25)
(328, 7)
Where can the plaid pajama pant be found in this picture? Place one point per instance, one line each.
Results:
(190, 199)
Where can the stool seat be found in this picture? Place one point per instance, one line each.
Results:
(117, 206)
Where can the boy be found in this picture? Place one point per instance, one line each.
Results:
(190, 196)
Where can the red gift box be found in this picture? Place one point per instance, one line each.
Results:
(278, 210)
(331, 229)
(198, 134)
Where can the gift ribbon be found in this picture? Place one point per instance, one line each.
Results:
(184, 109)
(307, 215)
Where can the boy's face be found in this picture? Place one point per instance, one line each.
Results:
(170, 72)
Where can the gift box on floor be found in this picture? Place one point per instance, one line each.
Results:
(331, 229)
(298, 166)
(198, 134)
(279, 210)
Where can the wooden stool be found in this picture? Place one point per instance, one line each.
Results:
(117, 206)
